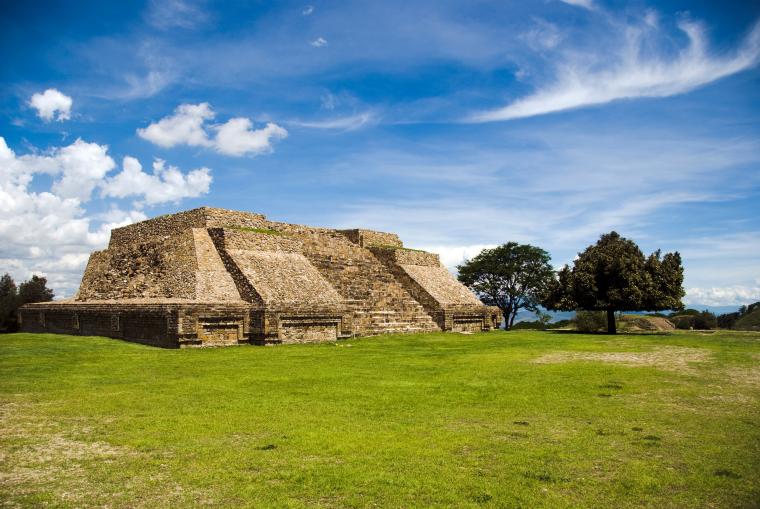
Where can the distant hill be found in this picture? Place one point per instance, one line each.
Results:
(529, 316)
(718, 310)
(750, 321)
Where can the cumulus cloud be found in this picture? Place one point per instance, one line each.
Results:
(165, 184)
(581, 81)
(319, 42)
(51, 232)
(236, 138)
(188, 126)
(308, 10)
(76, 168)
(184, 127)
(723, 296)
(52, 104)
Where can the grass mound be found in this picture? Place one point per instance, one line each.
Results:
(750, 321)
(501, 419)
(635, 323)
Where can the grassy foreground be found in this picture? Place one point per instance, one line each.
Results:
(520, 419)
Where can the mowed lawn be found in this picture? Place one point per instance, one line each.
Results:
(501, 419)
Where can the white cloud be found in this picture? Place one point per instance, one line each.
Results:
(50, 232)
(348, 123)
(146, 85)
(236, 138)
(560, 189)
(543, 35)
(52, 104)
(588, 4)
(451, 256)
(329, 101)
(308, 10)
(185, 127)
(188, 126)
(172, 14)
(76, 168)
(319, 42)
(723, 296)
(583, 83)
(166, 184)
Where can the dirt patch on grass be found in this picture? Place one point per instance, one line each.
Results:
(744, 376)
(669, 358)
(57, 459)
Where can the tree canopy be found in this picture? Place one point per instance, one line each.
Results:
(511, 276)
(614, 275)
(8, 303)
(35, 290)
(11, 298)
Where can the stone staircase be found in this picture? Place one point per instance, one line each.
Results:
(379, 304)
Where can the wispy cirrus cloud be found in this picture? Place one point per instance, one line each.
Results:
(173, 14)
(560, 191)
(543, 35)
(587, 4)
(586, 80)
(346, 123)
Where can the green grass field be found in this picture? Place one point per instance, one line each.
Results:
(520, 419)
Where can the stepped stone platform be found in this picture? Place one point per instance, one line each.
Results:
(213, 277)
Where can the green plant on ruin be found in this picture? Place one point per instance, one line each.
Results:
(265, 231)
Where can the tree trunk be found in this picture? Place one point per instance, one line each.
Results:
(611, 327)
(512, 318)
(506, 312)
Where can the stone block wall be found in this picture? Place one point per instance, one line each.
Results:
(213, 282)
(151, 269)
(369, 238)
(451, 304)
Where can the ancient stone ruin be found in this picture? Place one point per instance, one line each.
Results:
(218, 277)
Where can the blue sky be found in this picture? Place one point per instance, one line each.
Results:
(457, 125)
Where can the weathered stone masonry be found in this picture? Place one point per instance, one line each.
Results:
(219, 277)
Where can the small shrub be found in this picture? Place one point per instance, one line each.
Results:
(702, 320)
(591, 321)
(684, 322)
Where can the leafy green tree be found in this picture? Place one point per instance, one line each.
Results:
(614, 275)
(34, 290)
(543, 318)
(8, 304)
(511, 276)
(727, 320)
(700, 320)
